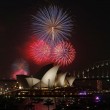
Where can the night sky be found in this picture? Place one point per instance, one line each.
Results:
(90, 35)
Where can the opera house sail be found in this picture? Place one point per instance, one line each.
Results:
(50, 79)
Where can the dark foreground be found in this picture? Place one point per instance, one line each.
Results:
(95, 102)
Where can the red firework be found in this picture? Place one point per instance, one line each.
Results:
(39, 51)
(63, 53)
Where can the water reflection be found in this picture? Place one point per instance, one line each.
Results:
(96, 102)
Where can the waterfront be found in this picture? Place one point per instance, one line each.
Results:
(82, 91)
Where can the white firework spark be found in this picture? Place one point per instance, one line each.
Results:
(52, 24)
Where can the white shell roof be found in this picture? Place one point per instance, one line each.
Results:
(61, 79)
(51, 79)
(40, 84)
(32, 81)
(70, 80)
(49, 76)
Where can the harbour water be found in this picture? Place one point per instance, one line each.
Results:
(96, 102)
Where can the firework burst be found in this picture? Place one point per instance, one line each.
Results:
(19, 67)
(39, 51)
(52, 24)
(20, 64)
(63, 53)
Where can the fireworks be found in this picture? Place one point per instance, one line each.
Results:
(39, 51)
(51, 27)
(20, 64)
(52, 24)
(42, 53)
(63, 53)
(20, 67)
(19, 72)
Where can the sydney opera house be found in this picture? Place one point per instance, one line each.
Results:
(48, 79)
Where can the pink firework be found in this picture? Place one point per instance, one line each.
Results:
(63, 53)
(19, 72)
(39, 51)
(19, 67)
